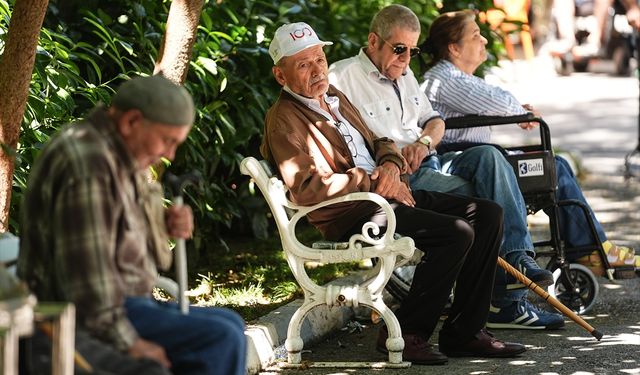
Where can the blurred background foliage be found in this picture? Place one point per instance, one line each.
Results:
(88, 47)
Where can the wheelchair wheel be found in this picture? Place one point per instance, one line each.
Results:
(586, 288)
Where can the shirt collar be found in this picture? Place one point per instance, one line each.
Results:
(369, 68)
(449, 64)
(367, 65)
(102, 122)
(314, 104)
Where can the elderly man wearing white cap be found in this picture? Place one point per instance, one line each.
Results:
(94, 232)
(323, 149)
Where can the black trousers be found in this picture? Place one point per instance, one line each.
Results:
(460, 237)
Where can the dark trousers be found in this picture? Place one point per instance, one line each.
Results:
(460, 237)
(103, 358)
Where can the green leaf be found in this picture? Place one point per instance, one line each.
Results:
(208, 64)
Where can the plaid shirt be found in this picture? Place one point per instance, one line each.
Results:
(85, 234)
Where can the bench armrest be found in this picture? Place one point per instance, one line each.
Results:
(369, 233)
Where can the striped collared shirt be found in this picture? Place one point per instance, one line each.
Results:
(455, 93)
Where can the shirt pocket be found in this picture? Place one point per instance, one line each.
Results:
(377, 110)
(416, 100)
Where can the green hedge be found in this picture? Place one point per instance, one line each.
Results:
(87, 48)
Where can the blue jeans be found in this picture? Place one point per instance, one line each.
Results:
(482, 171)
(573, 224)
(208, 340)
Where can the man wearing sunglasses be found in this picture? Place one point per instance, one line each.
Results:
(379, 82)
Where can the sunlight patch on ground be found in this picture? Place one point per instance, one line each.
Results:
(576, 338)
(531, 347)
(599, 203)
(611, 287)
(522, 363)
(596, 135)
(631, 371)
(604, 165)
(621, 339)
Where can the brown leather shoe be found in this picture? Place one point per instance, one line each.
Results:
(417, 349)
(483, 345)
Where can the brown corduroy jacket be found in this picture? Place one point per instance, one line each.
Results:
(294, 136)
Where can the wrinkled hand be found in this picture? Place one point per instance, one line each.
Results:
(389, 184)
(179, 221)
(532, 124)
(146, 349)
(415, 154)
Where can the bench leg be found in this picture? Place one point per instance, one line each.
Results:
(9, 351)
(395, 342)
(294, 343)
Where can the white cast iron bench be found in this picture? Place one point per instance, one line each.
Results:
(388, 251)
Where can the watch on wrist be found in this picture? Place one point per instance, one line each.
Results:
(425, 140)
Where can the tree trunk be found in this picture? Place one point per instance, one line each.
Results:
(177, 43)
(16, 66)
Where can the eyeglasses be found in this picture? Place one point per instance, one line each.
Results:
(348, 138)
(399, 49)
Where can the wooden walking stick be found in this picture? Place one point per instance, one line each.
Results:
(547, 297)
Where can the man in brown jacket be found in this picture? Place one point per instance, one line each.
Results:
(323, 149)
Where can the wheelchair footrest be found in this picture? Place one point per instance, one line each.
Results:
(624, 272)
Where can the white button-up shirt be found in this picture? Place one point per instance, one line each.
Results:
(399, 115)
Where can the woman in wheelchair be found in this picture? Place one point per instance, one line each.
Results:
(457, 49)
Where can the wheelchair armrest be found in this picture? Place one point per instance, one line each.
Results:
(472, 121)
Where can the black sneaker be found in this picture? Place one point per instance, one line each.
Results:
(530, 269)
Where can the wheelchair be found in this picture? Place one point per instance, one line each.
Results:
(534, 165)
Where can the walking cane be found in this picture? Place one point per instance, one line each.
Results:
(547, 297)
(177, 185)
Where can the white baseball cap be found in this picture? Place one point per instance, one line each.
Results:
(292, 38)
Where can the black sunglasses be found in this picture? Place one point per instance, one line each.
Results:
(399, 49)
